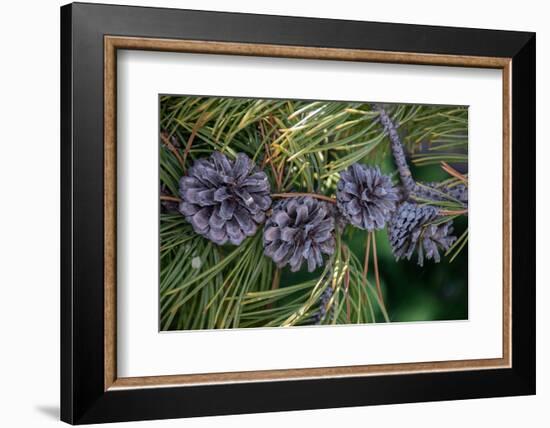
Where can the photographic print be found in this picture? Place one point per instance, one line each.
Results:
(283, 213)
(307, 212)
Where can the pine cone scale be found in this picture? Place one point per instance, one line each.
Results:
(226, 209)
(287, 234)
(201, 218)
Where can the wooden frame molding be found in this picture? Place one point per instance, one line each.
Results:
(113, 43)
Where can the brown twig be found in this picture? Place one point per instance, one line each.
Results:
(274, 195)
(313, 195)
(275, 284)
(366, 262)
(169, 198)
(346, 283)
(167, 143)
(280, 176)
(200, 121)
(267, 154)
(365, 267)
(451, 171)
(376, 273)
(453, 212)
(281, 163)
(268, 158)
(276, 279)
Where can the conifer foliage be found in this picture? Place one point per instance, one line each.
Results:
(262, 203)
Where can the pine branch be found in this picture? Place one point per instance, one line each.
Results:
(302, 146)
(399, 157)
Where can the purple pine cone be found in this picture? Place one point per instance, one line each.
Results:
(300, 229)
(366, 197)
(410, 229)
(225, 200)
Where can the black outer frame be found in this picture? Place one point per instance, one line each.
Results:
(83, 399)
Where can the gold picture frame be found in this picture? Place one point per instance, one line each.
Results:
(114, 43)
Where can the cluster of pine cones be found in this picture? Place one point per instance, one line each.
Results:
(227, 200)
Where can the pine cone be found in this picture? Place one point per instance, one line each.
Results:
(299, 229)
(225, 200)
(366, 197)
(409, 229)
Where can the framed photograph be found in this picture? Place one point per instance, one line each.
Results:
(266, 213)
